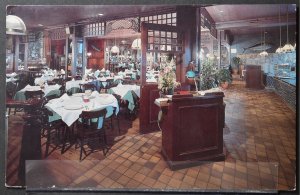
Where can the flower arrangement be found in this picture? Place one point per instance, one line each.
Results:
(167, 77)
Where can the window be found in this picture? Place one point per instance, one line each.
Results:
(95, 29)
(169, 19)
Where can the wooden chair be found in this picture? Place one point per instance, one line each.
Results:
(73, 90)
(78, 77)
(88, 86)
(55, 132)
(115, 115)
(89, 133)
(109, 84)
(34, 94)
(11, 89)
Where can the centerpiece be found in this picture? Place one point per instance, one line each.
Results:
(167, 78)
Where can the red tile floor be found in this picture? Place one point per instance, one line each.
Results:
(259, 137)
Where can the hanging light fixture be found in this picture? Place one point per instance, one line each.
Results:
(15, 25)
(287, 47)
(115, 49)
(264, 53)
(136, 44)
(279, 49)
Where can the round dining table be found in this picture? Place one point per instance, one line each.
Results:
(68, 108)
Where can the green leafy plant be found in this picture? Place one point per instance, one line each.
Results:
(207, 75)
(223, 75)
(236, 62)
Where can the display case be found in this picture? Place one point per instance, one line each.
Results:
(282, 70)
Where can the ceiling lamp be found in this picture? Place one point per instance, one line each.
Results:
(264, 53)
(279, 49)
(115, 49)
(136, 44)
(288, 47)
(15, 25)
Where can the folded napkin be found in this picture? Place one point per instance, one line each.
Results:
(64, 97)
(73, 79)
(62, 71)
(103, 70)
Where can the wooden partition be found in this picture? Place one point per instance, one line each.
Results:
(192, 130)
(148, 110)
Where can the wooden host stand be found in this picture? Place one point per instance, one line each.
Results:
(192, 129)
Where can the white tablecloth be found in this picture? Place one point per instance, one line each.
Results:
(122, 90)
(41, 80)
(46, 89)
(11, 80)
(71, 84)
(77, 83)
(11, 75)
(62, 105)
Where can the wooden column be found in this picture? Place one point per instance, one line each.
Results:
(66, 56)
(144, 42)
(84, 60)
(186, 21)
(74, 52)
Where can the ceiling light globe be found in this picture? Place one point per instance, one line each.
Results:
(15, 25)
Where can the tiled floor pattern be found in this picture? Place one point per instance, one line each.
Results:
(260, 155)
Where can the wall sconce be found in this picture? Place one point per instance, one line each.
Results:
(88, 54)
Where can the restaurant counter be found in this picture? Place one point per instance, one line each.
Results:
(285, 87)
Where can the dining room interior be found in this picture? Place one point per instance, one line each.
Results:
(152, 97)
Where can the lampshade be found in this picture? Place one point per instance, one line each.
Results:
(288, 48)
(15, 25)
(263, 54)
(279, 50)
(115, 49)
(136, 44)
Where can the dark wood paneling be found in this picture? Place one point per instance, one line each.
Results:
(254, 77)
(192, 131)
(154, 94)
(96, 60)
(148, 110)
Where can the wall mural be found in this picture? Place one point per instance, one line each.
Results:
(35, 46)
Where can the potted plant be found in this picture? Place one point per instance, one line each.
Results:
(167, 78)
(207, 75)
(236, 61)
(224, 78)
